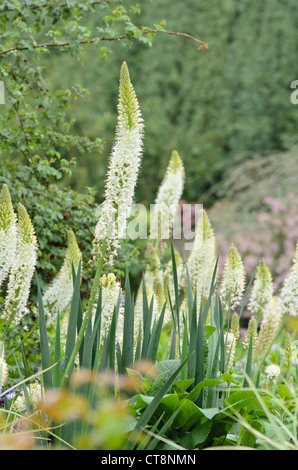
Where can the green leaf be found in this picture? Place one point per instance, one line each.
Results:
(246, 399)
(147, 318)
(181, 386)
(226, 377)
(189, 414)
(284, 392)
(209, 330)
(44, 342)
(163, 430)
(197, 436)
(194, 394)
(144, 419)
(166, 369)
(128, 328)
(155, 336)
(73, 317)
(57, 369)
(248, 363)
(209, 413)
(143, 401)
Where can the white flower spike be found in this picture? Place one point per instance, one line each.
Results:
(59, 294)
(289, 291)
(201, 261)
(8, 234)
(22, 270)
(111, 289)
(167, 199)
(272, 317)
(262, 291)
(233, 281)
(123, 171)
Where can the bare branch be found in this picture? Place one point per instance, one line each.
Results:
(203, 45)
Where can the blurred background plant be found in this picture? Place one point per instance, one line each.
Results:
(257, 210)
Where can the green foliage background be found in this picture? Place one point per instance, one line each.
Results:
(210, 105)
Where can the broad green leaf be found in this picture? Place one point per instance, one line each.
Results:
(181, 386)
(226, 377)
(209, 330)
(284, 392)
(188, 415)
(154, 404)
(196, 436)
(246, 399)
(193, 395)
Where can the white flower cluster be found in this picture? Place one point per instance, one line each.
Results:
(167, 199)
(8, 234)
(273, 371)
(59, 294)
(201, 260)
(122, 174)
(262, 290)
(22, 270)
(3, 372)
(35, 394)
(289, 291)
(233, 281)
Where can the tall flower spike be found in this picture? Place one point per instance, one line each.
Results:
(230, 342)
(251, 334)
(3, 372)
(270, 322)
(8, 234)
(22, 270)
(122, 174)
(262, 290)
(59, 294)
(167, 199)
(201, 260)
(233, 281)
(235, 325)
(289, 291)
(3, 366)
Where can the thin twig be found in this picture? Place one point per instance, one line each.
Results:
(203, 45)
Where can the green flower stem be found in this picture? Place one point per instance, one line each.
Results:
(5, 331)
(86, 318)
